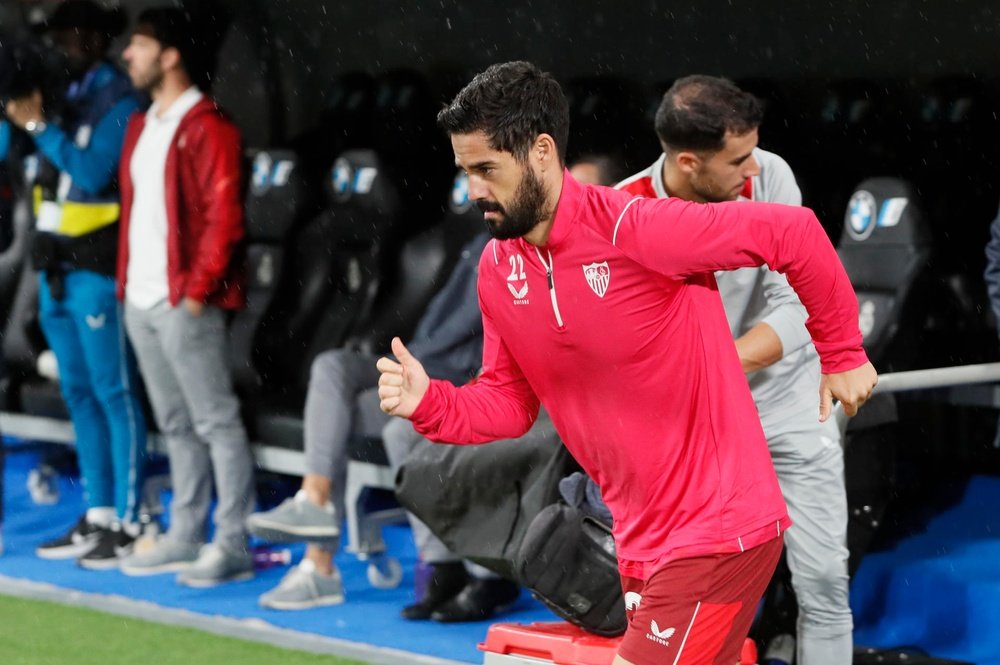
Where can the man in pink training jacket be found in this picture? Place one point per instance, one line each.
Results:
(604, 307)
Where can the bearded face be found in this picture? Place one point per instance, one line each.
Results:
(525, 210)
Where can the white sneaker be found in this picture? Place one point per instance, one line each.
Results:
(167, 556)
(295, 520)
(216, 565)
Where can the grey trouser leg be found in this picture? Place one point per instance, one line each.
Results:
(183, 361)
(399, 439)
(337, 408)
(810, 467)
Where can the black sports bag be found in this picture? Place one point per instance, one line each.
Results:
(568, 561)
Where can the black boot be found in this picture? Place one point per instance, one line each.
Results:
(479, 600)
(446, 580)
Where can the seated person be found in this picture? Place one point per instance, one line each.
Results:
(341, 402)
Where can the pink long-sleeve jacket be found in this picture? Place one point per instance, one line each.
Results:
(616, 326)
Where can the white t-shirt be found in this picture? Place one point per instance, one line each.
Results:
(147, 283)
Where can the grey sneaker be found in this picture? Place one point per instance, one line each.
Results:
(302, 587)
(166, 556)
(215, 565)
(295, 520)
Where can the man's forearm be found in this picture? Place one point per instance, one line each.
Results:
(758, 348)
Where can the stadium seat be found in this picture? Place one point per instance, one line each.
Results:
(278, 199)
(424, 265)
(885, 246)
(377, 196)
(23, 388)
(331, 284)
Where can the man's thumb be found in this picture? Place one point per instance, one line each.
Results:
(825, 403)
(401, 352)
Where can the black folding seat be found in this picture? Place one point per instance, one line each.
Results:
(424, 265)
(6, 208)
(23, 341)
(279, 199)
(886, 249)
(382, 197)
(293, 243)
(341, 256)
(330, 278)
(915, 313)
(415, 154)
(345, 122)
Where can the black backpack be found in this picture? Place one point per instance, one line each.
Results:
(567, 559)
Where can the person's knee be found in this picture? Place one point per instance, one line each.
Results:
(220, 427)
(333, 376)
(77, 393)
(111, 387)
(328, 364)
(398, 438)
(173, 421)
(822, 589)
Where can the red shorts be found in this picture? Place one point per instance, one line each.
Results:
(696, 611)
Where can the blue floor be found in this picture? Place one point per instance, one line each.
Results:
(369, 616)
(938, 590)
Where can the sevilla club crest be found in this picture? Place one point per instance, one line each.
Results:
(598, 276)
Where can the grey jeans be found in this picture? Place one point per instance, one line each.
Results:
(182, 359)
(342, 401)
(809, 462)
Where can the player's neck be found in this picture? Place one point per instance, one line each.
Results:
(169, 92)
(539, 235)
(677, 184)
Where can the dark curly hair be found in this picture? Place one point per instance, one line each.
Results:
(512, 103)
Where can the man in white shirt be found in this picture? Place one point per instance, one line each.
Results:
(179, 273)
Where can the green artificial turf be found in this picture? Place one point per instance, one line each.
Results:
(41, 633)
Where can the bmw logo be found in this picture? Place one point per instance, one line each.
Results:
(460, 193)
(261, 176)
(340, 179)
(861, 215)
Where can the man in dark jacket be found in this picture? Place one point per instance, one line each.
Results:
(178, 272)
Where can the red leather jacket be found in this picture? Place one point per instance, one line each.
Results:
(204, 208)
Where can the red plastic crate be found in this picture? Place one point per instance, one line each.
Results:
(555, 642)
(560, 643)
